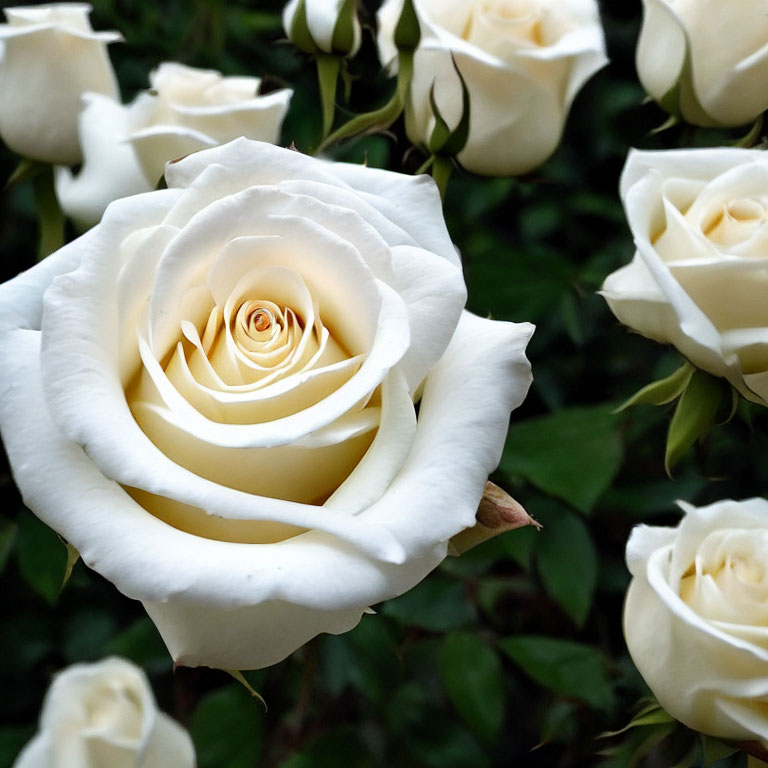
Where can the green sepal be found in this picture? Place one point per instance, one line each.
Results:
(408, 30)
(443, 140)
(694, 415)
(662, 391)
(26, 169)
(650, 714)
(343, 38)
(72, 557)
(240, 677)
(713, 749)
(299, 33)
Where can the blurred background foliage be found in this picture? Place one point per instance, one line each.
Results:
(513, 653)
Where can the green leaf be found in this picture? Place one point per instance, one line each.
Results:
(662, 391)
(342, 746)
(566, 558)
(226, 729)
(572, 454)
(694, 416)
(437, 604)
(473, 679)
(42, 557)
(365, 658)
(568, 668)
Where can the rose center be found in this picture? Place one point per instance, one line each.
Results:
(259, 320)
(735, 222)
(518, 20)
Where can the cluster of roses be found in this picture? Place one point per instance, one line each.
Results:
(696, 615)
(211, 394)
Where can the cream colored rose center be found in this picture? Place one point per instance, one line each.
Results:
(728, 580)
(521, 21)
(736, 222)
(113, 710)
(263, 356)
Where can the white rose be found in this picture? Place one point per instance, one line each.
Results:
(700, 274)
(523, 62)
(696, 617)
(211, 396)
(104, 715)
(126, 148)
(326, 26)
(714, 52)
(50, 57)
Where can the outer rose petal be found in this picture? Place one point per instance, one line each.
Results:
(104, 129)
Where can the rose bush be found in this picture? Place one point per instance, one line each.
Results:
(705, 60)
(696, 613)
(698, 279)
(50, 58)
(126, 148)
(104, 715)
(523, 62)
(211, 396)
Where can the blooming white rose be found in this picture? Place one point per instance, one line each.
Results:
(715, 53)
(50, 57)
(700, 274)
(523, 62)
(211, 396)
(325, 26)
(104, 715)
(187, 109)
(696, 617)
